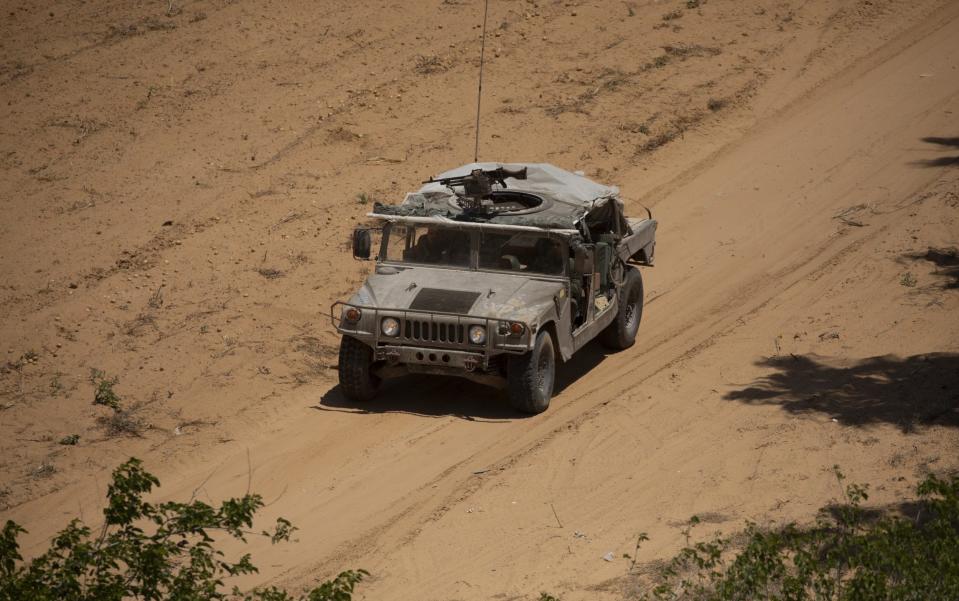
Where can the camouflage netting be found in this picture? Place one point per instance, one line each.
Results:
(567, 199)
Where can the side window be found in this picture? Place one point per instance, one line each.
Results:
(397, 242)
(548, 257)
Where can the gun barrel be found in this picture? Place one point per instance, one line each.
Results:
(498, 175)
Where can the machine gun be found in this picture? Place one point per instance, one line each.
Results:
(477, 187)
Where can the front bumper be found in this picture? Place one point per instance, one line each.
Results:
(431, 332)
(395, 361)
(411, 355)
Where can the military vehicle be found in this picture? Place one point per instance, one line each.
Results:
(493, 272)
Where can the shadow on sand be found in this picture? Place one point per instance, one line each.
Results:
(946, 261)
(439, 396)
(945, 161)
(908, 392)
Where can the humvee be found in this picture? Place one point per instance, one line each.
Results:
(492, 272)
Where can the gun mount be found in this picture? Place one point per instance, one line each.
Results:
(474, 192)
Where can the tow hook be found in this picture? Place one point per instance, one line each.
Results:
(393, 356)
(470, 363)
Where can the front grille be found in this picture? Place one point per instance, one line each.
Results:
(431, 331)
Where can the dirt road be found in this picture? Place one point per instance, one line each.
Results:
(792, 323)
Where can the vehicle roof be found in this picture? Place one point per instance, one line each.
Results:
(567, 198)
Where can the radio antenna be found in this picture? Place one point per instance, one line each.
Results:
(479, 93)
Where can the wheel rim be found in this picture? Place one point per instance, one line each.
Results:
(632, 312)
(544, 372)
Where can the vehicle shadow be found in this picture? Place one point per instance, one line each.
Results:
(427, 396)
(441, 396)
(908, 392)
(947, 262)
(579, 365)
(945, 161)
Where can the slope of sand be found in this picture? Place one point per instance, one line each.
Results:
(179, 187)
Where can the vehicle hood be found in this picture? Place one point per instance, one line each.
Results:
(484, 294)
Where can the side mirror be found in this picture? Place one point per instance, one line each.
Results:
(582, 260)
(362, 244)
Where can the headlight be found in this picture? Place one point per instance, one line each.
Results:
(477, 334)
(352, 314)
(390, 326)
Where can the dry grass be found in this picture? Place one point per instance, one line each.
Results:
(123, 422)
(156, 299)
(138, 326)
(44, 470)
(427, 65)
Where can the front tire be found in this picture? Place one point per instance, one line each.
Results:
(356, 376)
(530, 377)
(621, 333)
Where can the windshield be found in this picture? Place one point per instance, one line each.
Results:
(427, 245)
(494, 250)
(520, 252)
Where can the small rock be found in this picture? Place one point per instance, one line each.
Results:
(608, 556)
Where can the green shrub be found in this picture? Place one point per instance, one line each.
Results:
(150, 552)
(103, 389)
(850, 554)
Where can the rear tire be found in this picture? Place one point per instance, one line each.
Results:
(356, 378)
(621, 333)
(530, 377)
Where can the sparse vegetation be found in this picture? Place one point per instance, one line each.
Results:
(716, 104)
(684, 51)
(156, 299)
(44, 470)
(123, 422)
(138, 325)
(658, 140)
(70, 440)
(103, 389)
(575, 104)
(341, 134)
(142, 103)
(297, 259)
(56, 386)
(908, 280)
(426, 65)
(850, 554)
(150, 551)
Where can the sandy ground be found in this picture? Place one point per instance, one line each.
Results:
(180, 179)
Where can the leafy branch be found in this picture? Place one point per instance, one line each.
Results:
(151, 552)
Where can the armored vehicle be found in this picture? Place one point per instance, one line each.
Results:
(493, 272)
